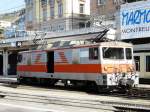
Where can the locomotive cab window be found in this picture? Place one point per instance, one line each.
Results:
(113, 53)
(19, 58)
(93, 53)
(147, 63)
(128, 53)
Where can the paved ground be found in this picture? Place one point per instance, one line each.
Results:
(16, 106)
(72, 94)
(20, 106)
(8, 107)
(8, 79)
(144, 86)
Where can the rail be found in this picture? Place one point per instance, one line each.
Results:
(74, 102)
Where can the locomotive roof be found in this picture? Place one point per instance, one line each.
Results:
(105, 44)
(116, 43)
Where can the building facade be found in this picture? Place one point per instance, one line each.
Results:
(17, 25)
(105, 8)
(4, 24)
(56, 15)
(107, 11)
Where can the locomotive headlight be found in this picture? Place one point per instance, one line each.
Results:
(131, 69)
(105, 68)
(104, 79)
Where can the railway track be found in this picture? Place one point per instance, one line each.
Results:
(137, 93)
(55, 100)
(92, 104)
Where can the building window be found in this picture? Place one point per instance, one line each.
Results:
(29, 2)
(81, 25)
(93, 53)
(30, 16)
(118, 2)
(60, 27)
(82, 8)
(137, 62)
(52, 4)
(87, 24)
(52, 12)
(147, 63)
(44, 7)
(60, 9)
(43, 2)
(44, 15)
(101, 2)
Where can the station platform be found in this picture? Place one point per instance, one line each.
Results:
(10, 79)
(147, 86)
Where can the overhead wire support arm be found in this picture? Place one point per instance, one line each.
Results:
(100, 36)
(35, 38)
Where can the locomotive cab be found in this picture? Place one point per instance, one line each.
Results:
(118, 67)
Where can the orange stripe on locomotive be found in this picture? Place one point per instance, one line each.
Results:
(77, 68)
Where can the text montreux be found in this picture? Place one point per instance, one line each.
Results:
(136, 17)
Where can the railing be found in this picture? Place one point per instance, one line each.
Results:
(31, 35)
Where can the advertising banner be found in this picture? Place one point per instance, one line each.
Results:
(135, 20)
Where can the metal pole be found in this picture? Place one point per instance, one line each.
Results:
(72, 14)
(39, 14)
(5, 62)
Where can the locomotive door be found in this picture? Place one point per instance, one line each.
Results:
(12, 61)
(50, 62)
(137, 62)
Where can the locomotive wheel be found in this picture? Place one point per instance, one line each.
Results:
(44, 82)
(47, 82)
(52, 82)
(33, 81)
(20, 80)
(91, 87)
(103, 89)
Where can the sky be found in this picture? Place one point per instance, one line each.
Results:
(10, 5)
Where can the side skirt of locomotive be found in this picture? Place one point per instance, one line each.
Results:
(98, 82)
